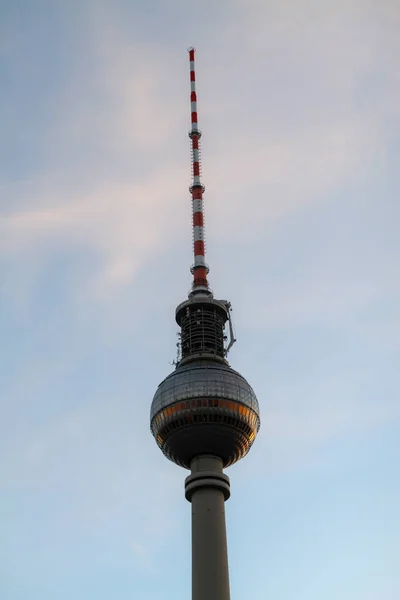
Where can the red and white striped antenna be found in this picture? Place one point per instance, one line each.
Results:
(199, 268)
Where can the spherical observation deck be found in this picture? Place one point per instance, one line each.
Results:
(204, 407)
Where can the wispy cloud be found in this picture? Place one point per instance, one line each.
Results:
(298, 104)
(123, 224)
(125, 105)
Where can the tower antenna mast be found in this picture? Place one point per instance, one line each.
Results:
(199, 268)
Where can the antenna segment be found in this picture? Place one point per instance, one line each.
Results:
(199, 268)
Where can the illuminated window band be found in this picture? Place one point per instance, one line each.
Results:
(225, 412)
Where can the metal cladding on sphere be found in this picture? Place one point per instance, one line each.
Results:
(204, 407)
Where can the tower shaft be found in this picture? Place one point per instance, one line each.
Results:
(207, 488)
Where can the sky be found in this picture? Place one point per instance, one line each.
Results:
(299, 107)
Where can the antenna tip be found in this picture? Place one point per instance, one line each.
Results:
(191, 49)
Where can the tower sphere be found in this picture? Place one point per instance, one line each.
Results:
(204, 407)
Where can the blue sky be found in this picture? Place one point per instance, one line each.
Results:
(298, 103)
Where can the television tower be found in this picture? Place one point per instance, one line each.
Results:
(204, 416)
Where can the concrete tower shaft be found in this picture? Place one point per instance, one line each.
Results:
(207, 488)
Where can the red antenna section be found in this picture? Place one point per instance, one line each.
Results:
(199, 268)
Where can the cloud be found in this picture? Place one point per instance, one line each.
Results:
(278, 176)
(319, 422)
(322, 298)
(123, 225)
(142, 555)
(299, 112)
(302, 424)
(109, 180)
(117, 175)
(85, 460)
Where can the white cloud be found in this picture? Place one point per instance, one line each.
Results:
(142, 554)
(277, 176)
(295, 101)
(301, 424)
(122, 224)
(321, 299)
(128, 107)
